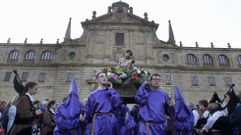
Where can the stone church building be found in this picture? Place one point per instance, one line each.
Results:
(198, 71)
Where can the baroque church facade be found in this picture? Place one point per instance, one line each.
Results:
(198, 71)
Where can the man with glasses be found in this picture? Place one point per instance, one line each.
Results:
(154, 104)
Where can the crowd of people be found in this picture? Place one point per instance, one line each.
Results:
(104, 113)
(218, 115)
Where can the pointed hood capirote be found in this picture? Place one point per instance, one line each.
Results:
(184, 119)
(67, 114)
(71, 108)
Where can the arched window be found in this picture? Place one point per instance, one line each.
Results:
(207, 59)
(30, 55)
(239, 59)
(47, 56)
(13, 55)
(223, 60)
(191, 59)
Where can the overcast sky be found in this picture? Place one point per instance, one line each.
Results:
(202, 21)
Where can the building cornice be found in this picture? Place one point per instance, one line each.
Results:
(40, 45)
(76, 65)
(197, 48)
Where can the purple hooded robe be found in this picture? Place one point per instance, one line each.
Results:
(67, 114)
(101, 108)
(125, 122)
(183, 116)
(153, 107)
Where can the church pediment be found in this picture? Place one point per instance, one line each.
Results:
(120, 13)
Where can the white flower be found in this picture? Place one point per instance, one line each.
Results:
(124, 74)
(109, 74)
(145, 72)
(138, 71)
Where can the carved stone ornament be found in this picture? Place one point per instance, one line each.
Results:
(120, 15)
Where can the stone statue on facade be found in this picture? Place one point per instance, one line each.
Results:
(127, 61)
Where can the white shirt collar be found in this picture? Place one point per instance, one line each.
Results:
(30, 96)
(51, 110)
(101, 87)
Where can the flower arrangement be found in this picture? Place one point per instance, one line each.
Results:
(126, 79)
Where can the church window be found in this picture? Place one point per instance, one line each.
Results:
(42, 77)
(69, 77)
(228, 81)
(211, 81)
(239, 59)
(7, 76)
(194, 81)
(30, 55)
(191, 59)
(24, 77)
(119, 39)
(165, 57)
(13, 55)
(47, 56)
(207, 59)
(168, 79)
(223, 60)
(71, 55)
